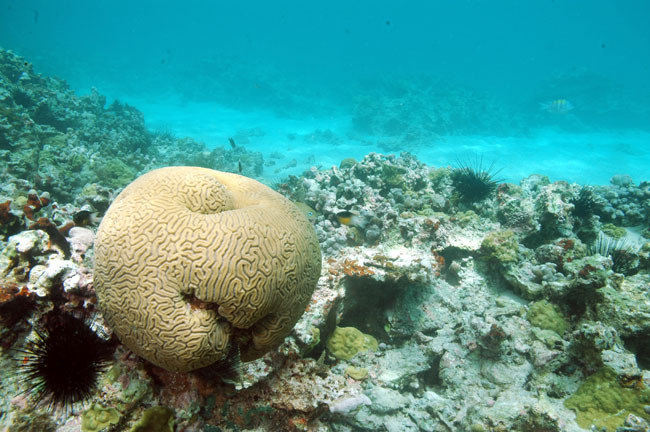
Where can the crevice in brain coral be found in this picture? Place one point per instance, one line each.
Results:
(197, 303)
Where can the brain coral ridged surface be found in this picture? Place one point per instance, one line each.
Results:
(189, 260)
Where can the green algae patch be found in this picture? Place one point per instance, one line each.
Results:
(155, 419)
(113, 172)
(613, 231)
(347, 163)
(97, 418)
(467, 219)
(603, 402)
(346, 342)
(393, 177)
(315, 337)
(501, 246)
(546, 316)
(357, 373)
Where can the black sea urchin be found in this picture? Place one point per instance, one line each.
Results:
(625, 259)
(62, 363)
(473, 182)
(586, 203)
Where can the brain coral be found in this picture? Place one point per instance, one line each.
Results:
(189, 260)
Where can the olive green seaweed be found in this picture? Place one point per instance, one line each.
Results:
(546, 316)
(603, 402)
(501, 246)
(155, 419)
(613, 231)
(357, 373)
(346, 342)
(96, 418)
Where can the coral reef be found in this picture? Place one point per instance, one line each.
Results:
(60, 142)
(517, 312)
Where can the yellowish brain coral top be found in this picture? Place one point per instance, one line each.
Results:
(189, 260)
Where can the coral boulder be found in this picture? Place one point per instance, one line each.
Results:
(189, 261)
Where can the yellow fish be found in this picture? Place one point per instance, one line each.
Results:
(345, 217)
(311, 214)
(557, 106)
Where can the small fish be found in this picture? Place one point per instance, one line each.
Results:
(232, 143)
(311, 214)
(239, 167)
(557, 106)
(229, 369)
(349, 218)
(344, 217)
(85, 217)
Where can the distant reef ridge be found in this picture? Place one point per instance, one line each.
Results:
(60, 142)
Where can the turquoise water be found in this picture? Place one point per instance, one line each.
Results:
(320, 82)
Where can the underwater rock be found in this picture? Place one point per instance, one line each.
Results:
(516, 211)
(306, 334)
(96, 197)
(400, 367)
(420, 109)
(350, 404)
(386, 400)
(22, 252)
(43, 278)
(625, 307)
(378, 189)
(304, 385)
(80, 239)
(60, 142)
(589, 341)
(553, 211)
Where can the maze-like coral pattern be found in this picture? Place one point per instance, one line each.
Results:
(189, 260)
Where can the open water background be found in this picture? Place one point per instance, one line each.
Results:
(320, 81)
